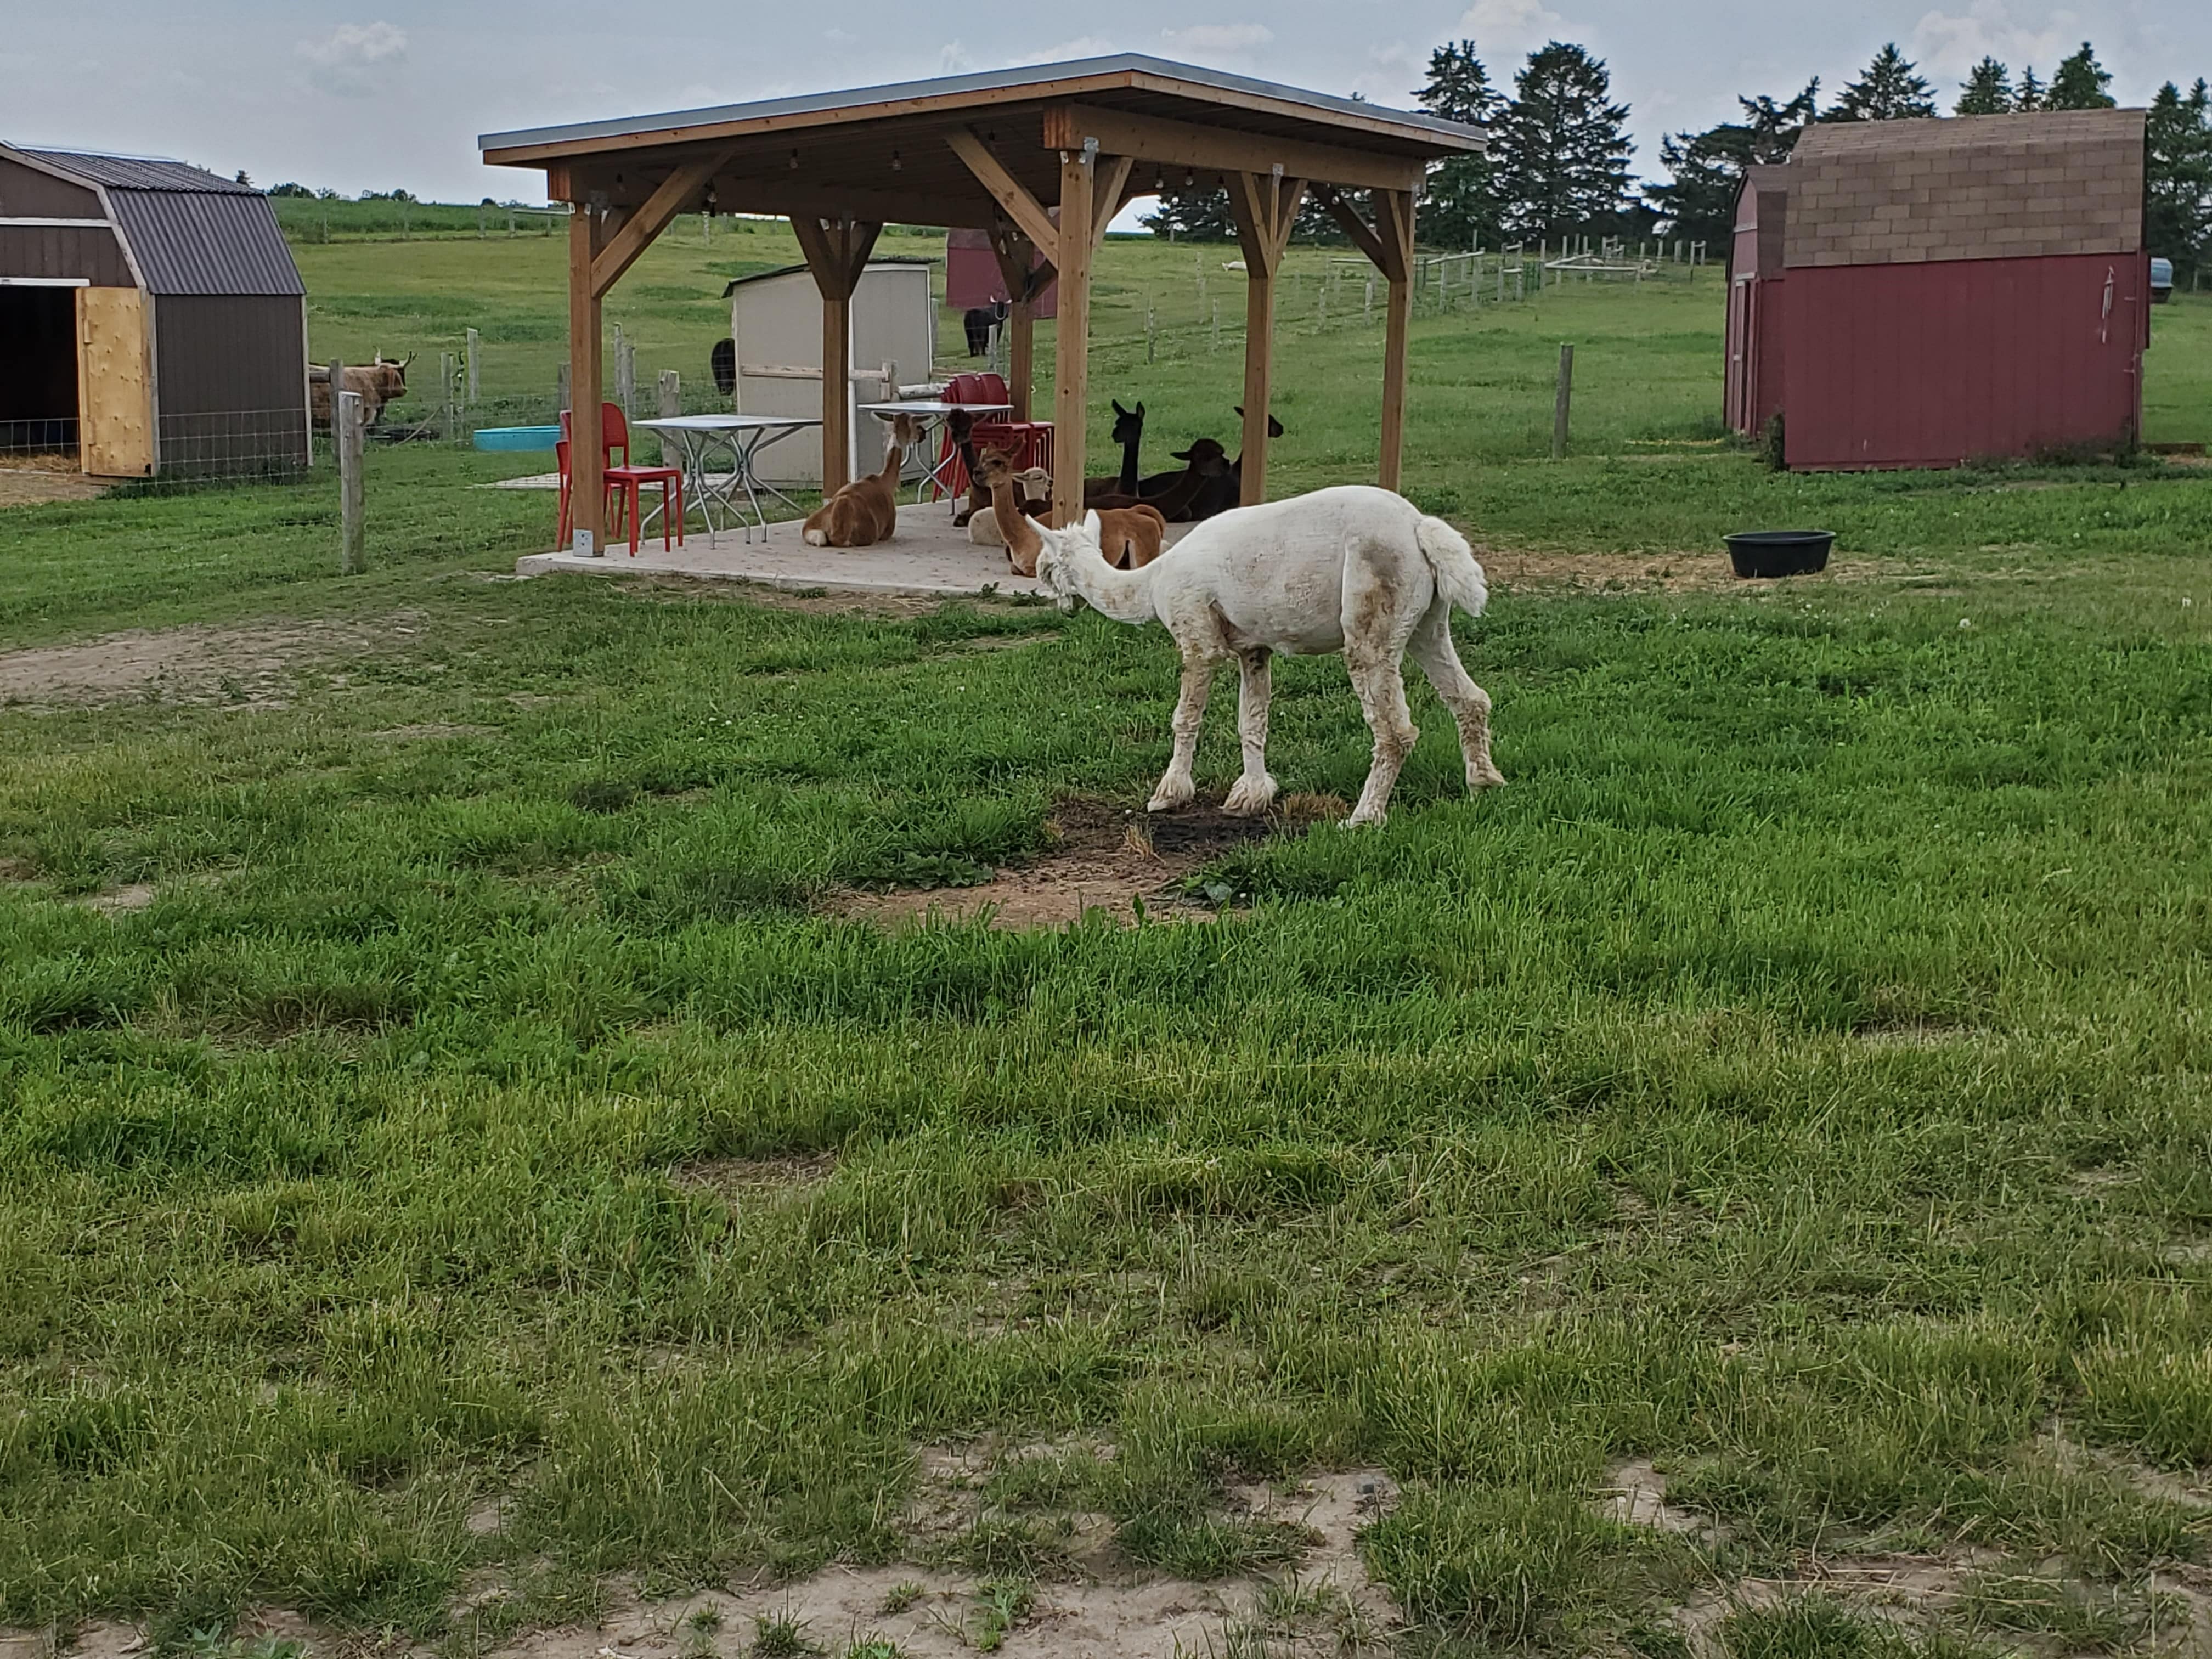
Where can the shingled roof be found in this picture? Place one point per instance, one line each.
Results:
(1968, 188)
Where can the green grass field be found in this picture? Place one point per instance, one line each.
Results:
(432, 1071)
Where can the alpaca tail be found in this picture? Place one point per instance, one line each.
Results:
(1459, 578)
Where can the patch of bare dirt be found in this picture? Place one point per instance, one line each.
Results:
(1513, 569)
(1101, 857)
(1331, 1607)
(735, 1176)
(24, 481)
(427, 730)
(248, 665)
(1636, 1495)
(815, 602)
(121, 901)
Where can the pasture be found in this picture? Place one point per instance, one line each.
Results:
(472, 1161)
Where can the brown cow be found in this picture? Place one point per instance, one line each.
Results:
(376, 384)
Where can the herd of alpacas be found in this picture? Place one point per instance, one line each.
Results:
(1355, 570)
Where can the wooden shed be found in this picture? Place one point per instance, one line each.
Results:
(775, 322)
(151, 319)
(1925, 293)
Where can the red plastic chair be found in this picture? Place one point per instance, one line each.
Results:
(980, 388)
(625, 482)
(1030, 442)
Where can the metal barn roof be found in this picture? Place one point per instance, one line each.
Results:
(189, 231)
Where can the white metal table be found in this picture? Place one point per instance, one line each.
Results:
(741, 438)
(932, 413)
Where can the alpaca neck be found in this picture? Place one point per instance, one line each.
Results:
(1016, 528)
(1124, 595)
(1126, 484)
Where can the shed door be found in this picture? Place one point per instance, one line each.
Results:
(115, 384)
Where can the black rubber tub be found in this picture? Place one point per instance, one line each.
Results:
(1780, 552)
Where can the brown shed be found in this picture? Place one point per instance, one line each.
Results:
(151, 319)
(1924, 293)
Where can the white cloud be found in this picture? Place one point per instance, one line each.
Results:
(1951, 44)
(357, 60)
(1218, 37)
(1083, 45)
(1498, 27)
(952, 58)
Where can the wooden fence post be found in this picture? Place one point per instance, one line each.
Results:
(346, 419)
(1559, 408)
(475, 382)
(447, 374)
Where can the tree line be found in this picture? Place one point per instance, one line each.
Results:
(1559, 149)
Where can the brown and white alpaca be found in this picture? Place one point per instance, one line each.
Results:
(866, 511)
(1032, 494)
(1130, 538)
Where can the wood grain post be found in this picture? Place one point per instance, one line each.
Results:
(348, 424)
(836, 393)
(1071, 400)
(1259, 377)
(1560, 406)
(587, 487)
(1021, 356)
(476, 380)
(1395, 229)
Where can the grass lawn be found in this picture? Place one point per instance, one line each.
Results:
(434, 1085)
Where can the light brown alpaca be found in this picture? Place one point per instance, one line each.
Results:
(1129, 536)
(866, 511)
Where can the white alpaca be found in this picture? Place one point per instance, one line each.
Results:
(1355, 570)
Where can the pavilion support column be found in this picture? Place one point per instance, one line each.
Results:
(1394, 212)
(1266, 207)
(837, 252)
(1388, 243)
(1024, 279)
(1071, 356)
(587, 488)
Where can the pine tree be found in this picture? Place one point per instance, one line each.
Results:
(2178, 176)
(2031, 94)
(1988, 90)
(1562, 149)
(1462, 209)
(2079, 82)
(1699, 201)
(1888, 90)
(1192, 215)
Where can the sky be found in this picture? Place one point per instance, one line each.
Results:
(379, 94)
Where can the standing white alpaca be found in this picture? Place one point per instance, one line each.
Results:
(1355, 570)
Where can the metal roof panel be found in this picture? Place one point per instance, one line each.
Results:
(138, 172)
(1449, 135)
(205, 241)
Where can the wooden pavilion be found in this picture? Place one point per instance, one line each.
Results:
(996, 152)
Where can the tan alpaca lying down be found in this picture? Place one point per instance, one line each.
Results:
(1130, 538)
(1032, 490)
(866, 511)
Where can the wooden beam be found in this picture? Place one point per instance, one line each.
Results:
(1006, 190)
(836, 254)
(787, 198)
(1394, 212)
(1024, 279)
(587, 489)
(1223, 150)
(1113, 178)
(1347, 217)
(1266, 207)
(673, 195)
(1072, 360)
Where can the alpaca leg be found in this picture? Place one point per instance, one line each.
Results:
(1431, 645)
(1381, 691)
(1255, 792)
(1176, 787)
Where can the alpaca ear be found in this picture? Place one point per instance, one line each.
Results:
(1118, 409)
(1091, 526)
(1140, 409)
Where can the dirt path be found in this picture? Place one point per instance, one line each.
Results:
(247, 664)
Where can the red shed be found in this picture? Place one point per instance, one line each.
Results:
(972, 276)
(1947, 290)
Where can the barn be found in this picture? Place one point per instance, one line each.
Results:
(1924, 293)
(151, 319)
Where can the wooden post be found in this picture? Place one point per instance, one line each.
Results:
(475, 382)
(1071, 396)
(671, 394)
(587, 488)
(625, 374)
(1559, 407)
(1017, 257)
(1394, 213)
(447, 374)
(348, 424)
(837, 254)
(1265, 207)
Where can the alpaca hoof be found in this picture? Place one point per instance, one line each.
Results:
(1361, 820)
(1488, 778)
(1168, 796)
(1249, 799)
